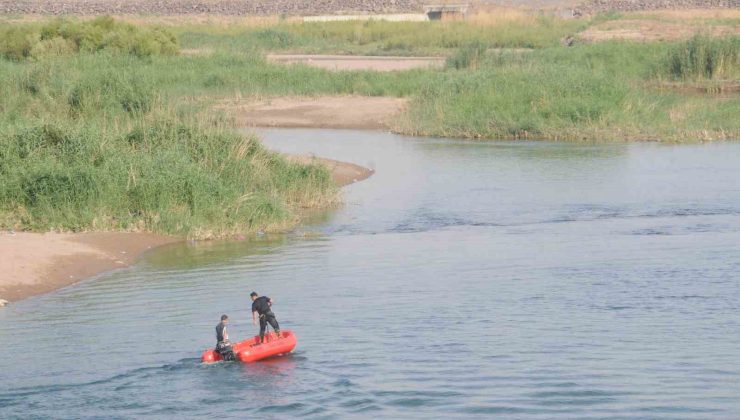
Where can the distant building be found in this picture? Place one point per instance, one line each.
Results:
(446, 12)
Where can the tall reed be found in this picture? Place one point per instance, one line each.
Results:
(704, 57)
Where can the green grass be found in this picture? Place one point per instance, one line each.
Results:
(89, 143)
(595, 92)
(706, 58)
(607, 91)
(66, 37)
(102, 138)
(382, 37)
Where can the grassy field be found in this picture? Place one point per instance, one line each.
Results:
(600, 92)
(605, 91)
(105, 126)
(89, 142)
(382, 37)
(509, 76)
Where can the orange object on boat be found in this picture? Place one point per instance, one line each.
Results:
(251, 350)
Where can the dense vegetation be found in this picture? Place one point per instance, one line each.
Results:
(704, 57)
(606, 91)
(87, 142)
(493, 87)
(104, 126)
(66, 37)
(386, 38)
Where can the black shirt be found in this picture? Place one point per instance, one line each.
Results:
(221, 333)
(261, 305)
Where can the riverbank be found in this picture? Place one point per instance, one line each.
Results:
(487, 89)
(38, 263)
(356, 112)
(96, 138)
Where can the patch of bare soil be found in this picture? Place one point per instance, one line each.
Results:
(359, 62)
(359, 112)
(643, 30)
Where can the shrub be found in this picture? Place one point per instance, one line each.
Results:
(112, 90)
(16, 43)
(65, 37)
(53, 47)
(703, 57)
(274, 38)
(468, 57)
(55, 187)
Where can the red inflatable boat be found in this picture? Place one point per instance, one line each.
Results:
(250, 350)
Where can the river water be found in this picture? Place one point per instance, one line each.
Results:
(464, 279)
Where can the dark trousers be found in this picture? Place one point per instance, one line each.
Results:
(268, 318)
(226, 351)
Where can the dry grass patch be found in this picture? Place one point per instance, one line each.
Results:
(689, 15)
(666, 25)
(501, 15)
(358, 62)
(643, 30)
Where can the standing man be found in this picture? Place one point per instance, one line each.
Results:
(223, 345)
(262, 308)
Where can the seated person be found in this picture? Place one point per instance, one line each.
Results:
(223, 345)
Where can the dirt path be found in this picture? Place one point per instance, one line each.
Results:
(359, 62)
(357, 112)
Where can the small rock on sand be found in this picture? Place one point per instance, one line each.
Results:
(3, 302)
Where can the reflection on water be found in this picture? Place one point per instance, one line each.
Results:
(524, 280)
(194, 254)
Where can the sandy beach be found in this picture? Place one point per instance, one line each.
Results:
(36, 263)
(355, 112)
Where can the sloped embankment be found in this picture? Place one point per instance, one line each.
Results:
(189, 7)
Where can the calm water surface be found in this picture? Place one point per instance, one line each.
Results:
(526, 280)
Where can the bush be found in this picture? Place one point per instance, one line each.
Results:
(53, 47)
(54, 187)
(65, 37)
(703, 57)
(468, 57)
(274, 38)
(16, 43)
(114, 91)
